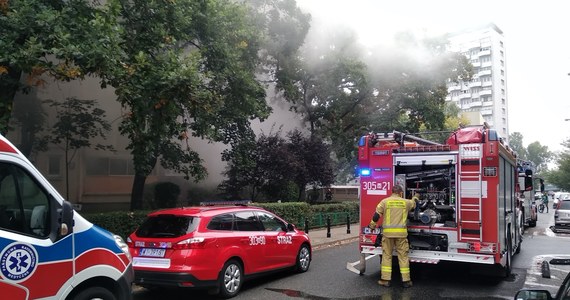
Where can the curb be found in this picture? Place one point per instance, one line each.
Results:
(334, 243)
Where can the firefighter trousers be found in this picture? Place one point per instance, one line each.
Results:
(402, 249)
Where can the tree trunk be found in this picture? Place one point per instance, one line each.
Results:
(137, 192)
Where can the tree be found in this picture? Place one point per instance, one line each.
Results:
(62, 40)
(516, 143)
(274, 164)
(187, 69)
(560, 176)
(343, 94)
(78, 123)
(312, 162)
(540, 156)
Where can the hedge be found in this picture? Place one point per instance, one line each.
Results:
(124, 223)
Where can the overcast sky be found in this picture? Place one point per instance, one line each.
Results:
(537, 43)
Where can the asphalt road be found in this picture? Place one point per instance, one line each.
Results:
(328, 278)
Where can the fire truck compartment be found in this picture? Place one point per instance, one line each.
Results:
(435, 186)
(428, 241)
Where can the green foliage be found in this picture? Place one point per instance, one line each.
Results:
(78, 123)
(516, 143)
(539, 155)
(64, 40)
(294, 212)
(121, 223)
(166, 194)
(125, 223)
(560, 176)
(277, 168)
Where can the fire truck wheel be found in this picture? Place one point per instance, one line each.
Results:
(508, 267)
(95, 292)
(532, 223)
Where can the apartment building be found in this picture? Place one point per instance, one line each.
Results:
(486, 93)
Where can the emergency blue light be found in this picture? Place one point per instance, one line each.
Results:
(365, 172)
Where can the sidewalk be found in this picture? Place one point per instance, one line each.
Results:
(338, 236)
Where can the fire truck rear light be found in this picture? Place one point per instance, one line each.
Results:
(365, 172)
(483, 247)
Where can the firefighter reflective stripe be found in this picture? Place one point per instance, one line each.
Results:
(388, 269)
(395, 207)
(388, 230)
(404, 270)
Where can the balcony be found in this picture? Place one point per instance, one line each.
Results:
(476, 64)
(486, 112)
(465, 96)
(487, 83)
(454, 87)
(474, 83)
(487, 64)
(486, 92)
(484, 52)
(484, 73)
(476, 104)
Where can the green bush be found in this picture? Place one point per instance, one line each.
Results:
(292, 212)
(124, 223)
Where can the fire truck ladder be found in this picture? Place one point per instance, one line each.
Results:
(470, 211)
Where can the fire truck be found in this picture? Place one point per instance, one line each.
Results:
(468, 209)
(526, 196)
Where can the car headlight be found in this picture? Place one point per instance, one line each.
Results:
(121, 243)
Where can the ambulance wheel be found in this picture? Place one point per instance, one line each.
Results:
(95, 292)
(231, 279)
(303, 259)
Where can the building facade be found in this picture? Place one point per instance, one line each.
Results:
(486, 93)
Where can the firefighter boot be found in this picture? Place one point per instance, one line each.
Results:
(385, 283)
(407, 284)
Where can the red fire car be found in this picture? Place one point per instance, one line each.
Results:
(215, 247)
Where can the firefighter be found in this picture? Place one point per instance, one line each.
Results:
(394, 211)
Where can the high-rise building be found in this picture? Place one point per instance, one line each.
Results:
(486, 93)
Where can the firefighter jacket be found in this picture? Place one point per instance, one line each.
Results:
(394, 211)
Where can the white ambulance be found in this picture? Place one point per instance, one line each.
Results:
(46, 250)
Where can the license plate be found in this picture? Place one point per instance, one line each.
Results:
(152, 252)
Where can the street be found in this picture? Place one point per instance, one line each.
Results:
(329, 279)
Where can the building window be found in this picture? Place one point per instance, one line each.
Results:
(502, 82)
(503, 101)
(104, 166)
(503, 72)
(502, 63)
(54, 165)
(502, 53)
(501, 43)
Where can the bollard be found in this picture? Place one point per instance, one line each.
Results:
(545, 269)
(306, 225)
(347, 224)
(328, 226)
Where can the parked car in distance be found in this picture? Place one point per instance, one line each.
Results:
(563, 293)
(215, 247)
(561, 197)
(562, 215)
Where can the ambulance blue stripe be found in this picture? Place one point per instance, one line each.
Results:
(95, 237)
(55, 252)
